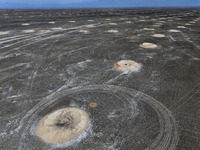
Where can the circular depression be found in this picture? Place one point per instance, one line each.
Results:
(122, 119)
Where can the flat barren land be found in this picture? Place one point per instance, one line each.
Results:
(100, 79)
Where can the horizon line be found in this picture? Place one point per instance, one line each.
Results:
(103, 7)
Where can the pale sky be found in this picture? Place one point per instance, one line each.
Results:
(96, 3)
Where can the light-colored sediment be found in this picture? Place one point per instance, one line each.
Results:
(126, 65)
(63, 125)
(148, 45)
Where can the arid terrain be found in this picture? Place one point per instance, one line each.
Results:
(77, 59)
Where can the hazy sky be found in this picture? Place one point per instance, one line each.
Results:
(95, 3)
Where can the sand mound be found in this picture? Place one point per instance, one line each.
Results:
(3, 32)
(155, 25)
(62, 125)
(187, 24)
(89, 26)
(44, 31)
(28, 31)
(173, 30)
(112, 31)
(58, 28)
(148, 45)
(181, 27)
(158, 35)
(150, 29)
(51, 22)
(126, 65)
(83, 31)
(25, 24)
(112, 23)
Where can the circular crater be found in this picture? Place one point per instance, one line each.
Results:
(123, 119)
(62, 125)
(126, 65)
